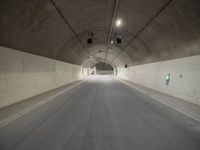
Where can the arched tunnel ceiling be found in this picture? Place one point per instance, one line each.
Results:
(152, 30)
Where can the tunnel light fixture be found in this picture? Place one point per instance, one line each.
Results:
(126, 66)
(90, 35)
(89, 40)
(118, 22)
(111, 41)
(118, 38)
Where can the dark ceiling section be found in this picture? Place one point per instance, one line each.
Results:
(176, 33)
(173, 32)
(152, 30)
(32, 26)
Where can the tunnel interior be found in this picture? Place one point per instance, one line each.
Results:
(99, 74)
(126, 34)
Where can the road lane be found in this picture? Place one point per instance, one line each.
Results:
(102, 114)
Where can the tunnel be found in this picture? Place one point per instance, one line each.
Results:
(99, 75)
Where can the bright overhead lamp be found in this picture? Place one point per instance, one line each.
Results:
(118, 22)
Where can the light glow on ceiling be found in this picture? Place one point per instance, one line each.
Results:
(118, 22)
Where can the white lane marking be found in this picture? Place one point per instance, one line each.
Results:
(20, 113)
(192, 115)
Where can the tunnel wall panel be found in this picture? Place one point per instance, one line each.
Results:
(185, 77)
(23, 75)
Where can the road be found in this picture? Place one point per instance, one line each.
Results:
(102, 114)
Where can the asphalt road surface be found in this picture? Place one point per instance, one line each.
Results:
(102, 114)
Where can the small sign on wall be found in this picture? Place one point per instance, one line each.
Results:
(167, 78)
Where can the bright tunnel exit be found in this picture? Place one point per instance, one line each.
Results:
(99, 69)
(103, 68)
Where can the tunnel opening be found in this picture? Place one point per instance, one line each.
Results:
(103, 69)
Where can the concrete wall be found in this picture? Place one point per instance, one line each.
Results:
(23, 75)
(153, 76)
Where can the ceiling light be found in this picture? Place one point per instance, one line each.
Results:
(89, 40)
(118, 22)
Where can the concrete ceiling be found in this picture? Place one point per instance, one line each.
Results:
(152, 30)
